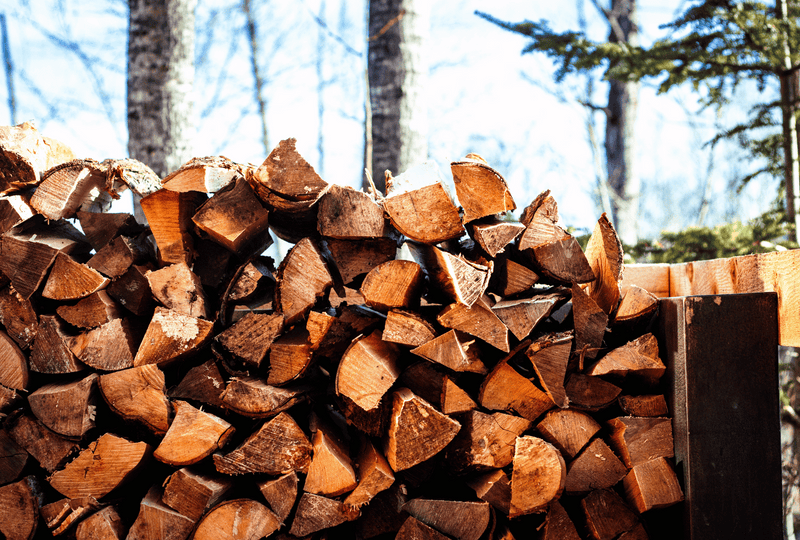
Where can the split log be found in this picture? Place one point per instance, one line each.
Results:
(192, 436)
(485, 441)
(504, 389)
(457, 519)
(25, 154)
(549, 356)
(637, 440)
(100, 468)
(330, 473)
(345, 213)
(351, 297)
(374, 476)
(587, 393)
(354, 258)
(70, 280)
(494, 235)
(252, 278)
(596, 467)
(590, 323)
(637, 359)
(138, 394)
(19, 509)
(28, 250)
(9, 399)
(203, 383)
(542, 223)
(101, 228)
(558, 525)
(315, 513)
(157, 521)
(407, 328)
(109, 347)
(493, 487)
(413, 529)
(279, 446)
(652, 484)
(367, 370)
(280, 493)
(105, 524)
(45, 446)
(416, 431)
(393, 285)
(460, 280)
(132, 290)
(419, 206)
(14, 209)
(480, 189)
(605, 256)
(91, 312)
(63, 515)
(169, 215)
(289, 356)
(51, 351)
(206, 175)
(239, 519)
(249, 339)
(385, 513)
(648, 405)
(171, 336)
(191, 493)
(235, 219)
(67, 187)
(510, 278)
(67, 408)
(607, 515)
(302, 278)
(568, 430)
(452, 350)
(13, 364)
(521, 316)
(437, 388)
(286, 173)
(13, 458)
(18, 317)
(637, 304)
(179, 289)
(538, 476)
(252, 397)
(563, 261)
(478, 320)
(211, 262)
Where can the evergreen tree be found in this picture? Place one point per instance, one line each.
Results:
(714, 45)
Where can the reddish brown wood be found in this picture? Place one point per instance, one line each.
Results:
(109, 347)
(407, 328)
(156, 520)
(202, 383)
(538, 476)
(367, 370)
(206, 174)
(13, 364)
(637, 359)
(331, 472)
(456, 519)
(45, 446)
(354, 258)
(169, 215)
(345, 213)
(588, 393)
(289, 356)
(647, 405)
(101, 227)
(607, 515)
(251, 396)
(91, 312)
(652, 484)
(637, 440)
(596, 467)
(568, 430)
(549, 356)
(67, 408)
(605, 255)
(63, 515)
(393, 285)
(114, 258)
(249, 339)
(26, 155)
(103, 525)
(485, 441)
(505, 390)
(69, 186)
(302, 278)
(19, 509)
(193, 435)
(172, 336)
(280, 493)
(177, 288)
(315, 513)
(18, 316)
(192, 493)
(453, 350)
(478, 320)
(239, 519)
(132, 290)
(481, 190)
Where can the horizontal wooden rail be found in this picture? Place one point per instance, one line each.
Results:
(768, 272)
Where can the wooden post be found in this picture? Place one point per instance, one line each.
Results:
(722, 380)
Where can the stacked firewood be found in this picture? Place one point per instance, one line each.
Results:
(415, 367)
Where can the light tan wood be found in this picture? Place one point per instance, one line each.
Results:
(253, 397)
(426, 214)
(108, 347)
(407, 328)
(461, 280)
(374, 476)
(302, 278)
(345, 213)
(280, 493)
(485, 441)
(179, 289)
(67, 187)
(27, 155)
(91, 312)
(478, 320)
(193, 435)
(14, 209)
(637, 440)
(542, 222)
(480, 189)
(456, 519)
(596, 467)
(19, 509)
(156, 520)
(289, 356)
(549, 356)
(286, 173)
(67, 408)
(393, 285)
(538, 476)
(605, 256)
(416, 431)
(367, 370)
(652, 484)
(453, 350)
(505, 390)
(637, 304)
(235, 219)
(71, 280)
(171, 336)
(191, 493)
(102, 525)
(277, 447)
(101, 467)
(494, 235)
(568, 430)
(331, 472)
(206, 174)
(239, 519)
(637, 359)
(13, 364)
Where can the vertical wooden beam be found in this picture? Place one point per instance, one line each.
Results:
(721, 354)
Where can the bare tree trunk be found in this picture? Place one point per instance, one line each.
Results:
(160, 80)
(321, 93)
(12, 106)
(789, 96)
(397, 75)
(621, 116)
(258, 80)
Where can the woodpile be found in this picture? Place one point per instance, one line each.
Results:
(418, 365)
